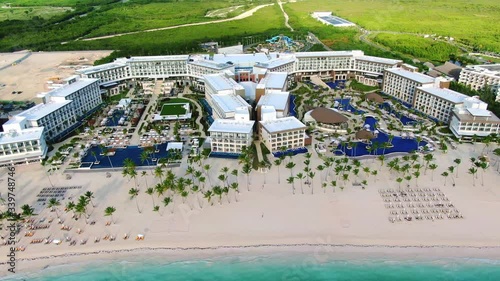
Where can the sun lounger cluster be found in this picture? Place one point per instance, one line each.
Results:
(418, 204)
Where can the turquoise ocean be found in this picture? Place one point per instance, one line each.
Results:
(273, 266)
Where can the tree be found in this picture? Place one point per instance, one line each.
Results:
(451, 169)
(290, 180)
(416, 174)
(277, 163)
(247, 169)
(53, 204)
(399, 180)
(427, 158)
(473, 172)
(166, 202)
(290, 165)
(408, 179)
(109, 212)
(158, 172)
(89, 195)
(457, 161)
(134, 192)
(333, 184)
(70, 206)
(300, 177)
(433, 167)
(445, 175)
(208, 195)
(27, 211)
(150, 191)
(483, 165)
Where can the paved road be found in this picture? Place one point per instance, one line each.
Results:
(238, 17)
(285, 15)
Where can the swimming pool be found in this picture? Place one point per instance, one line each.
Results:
(405, 120)
(398, 144)
(131, 152)
(345, 104)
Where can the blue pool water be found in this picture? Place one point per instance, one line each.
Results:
(293, 112)
(403, 118)
(113, 120)
(337, 84)
(132, 152)
(294, 151)
(399, 144)
(272, 267)
(345, 104)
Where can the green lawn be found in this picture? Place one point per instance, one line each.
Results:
(172, 109)
(24, 13)
(474, 22)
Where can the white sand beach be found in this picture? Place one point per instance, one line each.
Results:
(268, 214)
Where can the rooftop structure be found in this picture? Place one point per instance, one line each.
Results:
(445, 94)
(473, 119)
(480, 76)
(274, 81)
(279, 100)
(414, 76)
(282, 125)
(327, 18)
(231, 126)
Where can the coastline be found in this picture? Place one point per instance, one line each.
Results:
(314, 252)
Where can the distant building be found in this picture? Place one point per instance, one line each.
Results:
(437, 103)
(230, 136)
(287, 132)
(401, 84)
(327, 18)
(327, 120)
(473, 119)
(480, 76)
(447, 69)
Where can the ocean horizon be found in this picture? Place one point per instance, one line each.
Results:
(269, 266)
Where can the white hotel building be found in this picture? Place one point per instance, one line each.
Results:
(401, 84)
(62, 110)
(224, 95)
(286, 132)
(230, 136)
(473, 119)
(437, 103)
(479, 76)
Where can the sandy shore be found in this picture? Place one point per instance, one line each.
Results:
(266, 215)
(38, 68)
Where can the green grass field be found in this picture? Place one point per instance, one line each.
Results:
(472, 22)
(172, 109)
(25, 13)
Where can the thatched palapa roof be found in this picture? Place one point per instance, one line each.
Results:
(375, 97)
(327, 116)
(364, 135)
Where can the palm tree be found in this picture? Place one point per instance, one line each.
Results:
(418, 139)
(290, 165)
(144, 157)
(89, 195)
(150, 191)
(27, 211)
(433, 167)
(70, 206)
(109, 212)
(166, 202)
(208, 195)
(416, 174)
(105, 152)
(156, 209)
(158, 172)
(234, 186)
(234, 173)
(134, 192)
(483, 165)
(94, 154)
(300, 177)
(247, 169)
(473, 172)
(277, 163)
(53, 204)
(375, 173)
(399, 180)
(457, 161)
(291, 181)
(451, 169)
(333, 184)
(445, 175)
(311, 182)
(408, 179)
(427, 158)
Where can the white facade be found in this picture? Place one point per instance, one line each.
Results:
(341, 63)
(21, 145)
(473, 119)
(62, 110)
(401, 84)
(286, 132)
(437, 103)
(230, 136)
(479, 76)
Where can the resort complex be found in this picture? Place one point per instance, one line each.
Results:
(244, 94)
(481, 76)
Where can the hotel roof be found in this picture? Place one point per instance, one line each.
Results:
(23, 135)
(274, 80)
(445, 94)
(220, 83)
(231, 126)
(279, 100)
(276, 62)
(211, 64)
(69, 89)
(379, 60)
(282, 124)
(330, 54)
(415, 76)
(103, 67)
(40, 110)
(229, 102)
(158, 58)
